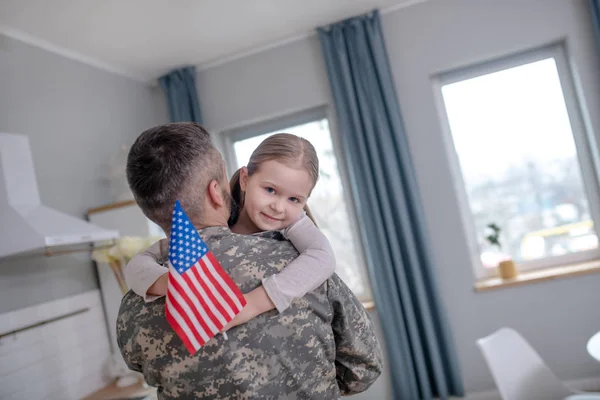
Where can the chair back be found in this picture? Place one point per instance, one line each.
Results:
(518, 370)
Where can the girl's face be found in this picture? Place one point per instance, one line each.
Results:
(275, 195)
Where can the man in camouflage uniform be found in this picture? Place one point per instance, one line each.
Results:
(322, 347)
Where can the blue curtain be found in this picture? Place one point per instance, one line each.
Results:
(423, 362)
(182, 98)
(595, 7)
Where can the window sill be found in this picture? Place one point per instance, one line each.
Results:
(539, 275)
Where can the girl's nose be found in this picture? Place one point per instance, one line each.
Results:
(277, 206)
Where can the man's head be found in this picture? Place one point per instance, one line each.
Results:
(178, 162)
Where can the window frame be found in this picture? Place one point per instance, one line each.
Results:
(229, 137)
(582, 137)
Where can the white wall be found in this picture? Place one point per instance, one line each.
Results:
(76, 118)
(263, 86)
(557, 316)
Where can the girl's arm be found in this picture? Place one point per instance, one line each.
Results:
(145, 276)
(314, 265)
(307, 272)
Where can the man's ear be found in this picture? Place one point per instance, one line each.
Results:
(243, 178)
(215, 194)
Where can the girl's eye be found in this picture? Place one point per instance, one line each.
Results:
(270, 190)
(294, 200)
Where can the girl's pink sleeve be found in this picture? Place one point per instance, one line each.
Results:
(143, 270)
(314, 265)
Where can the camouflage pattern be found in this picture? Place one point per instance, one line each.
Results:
(322, 347)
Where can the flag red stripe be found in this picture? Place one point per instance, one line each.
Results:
(180, 332)
(217, 285)
(236, 290)
(175, 285)
(176, 306)
(196, 293)
(211, 296)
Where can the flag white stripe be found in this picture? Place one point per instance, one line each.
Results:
(224, 285)
(214, 290)
(207, 299)
(186, 288)
(182, 324)
(175, 296)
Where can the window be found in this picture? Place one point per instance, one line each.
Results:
(521, 160)
(328, 201)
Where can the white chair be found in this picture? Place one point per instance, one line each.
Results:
(593, 346)
(519, 371)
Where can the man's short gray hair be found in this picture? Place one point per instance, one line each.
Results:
(172, 162)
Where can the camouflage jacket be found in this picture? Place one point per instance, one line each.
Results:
(322, 347)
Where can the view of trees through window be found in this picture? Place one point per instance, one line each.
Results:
(519, 163)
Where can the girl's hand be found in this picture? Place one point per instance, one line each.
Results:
(257, 302)
(159, 288)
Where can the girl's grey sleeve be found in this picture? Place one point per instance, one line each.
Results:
(143, 270)
(314, 265)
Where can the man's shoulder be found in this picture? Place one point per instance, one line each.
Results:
(250, 247)
(339, 293)
(133, 307)
(131, 300)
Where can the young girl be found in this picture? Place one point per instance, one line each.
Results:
(271, 193)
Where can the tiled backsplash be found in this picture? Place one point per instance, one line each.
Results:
(63, 354)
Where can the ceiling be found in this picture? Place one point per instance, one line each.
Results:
(143, 39)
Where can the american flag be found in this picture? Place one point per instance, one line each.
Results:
(201, 297)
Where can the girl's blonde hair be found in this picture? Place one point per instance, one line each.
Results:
(288, 149)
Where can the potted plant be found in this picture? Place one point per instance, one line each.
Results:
(506, 268)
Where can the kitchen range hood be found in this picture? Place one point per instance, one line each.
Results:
(27, 226)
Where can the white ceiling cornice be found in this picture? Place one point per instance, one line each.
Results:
(145, 63)
(72, 55)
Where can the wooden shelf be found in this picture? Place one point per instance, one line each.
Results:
(106, 207)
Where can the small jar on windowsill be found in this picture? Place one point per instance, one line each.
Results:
(507, 269)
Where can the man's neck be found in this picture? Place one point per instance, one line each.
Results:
(201, 224)
(244, 225)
